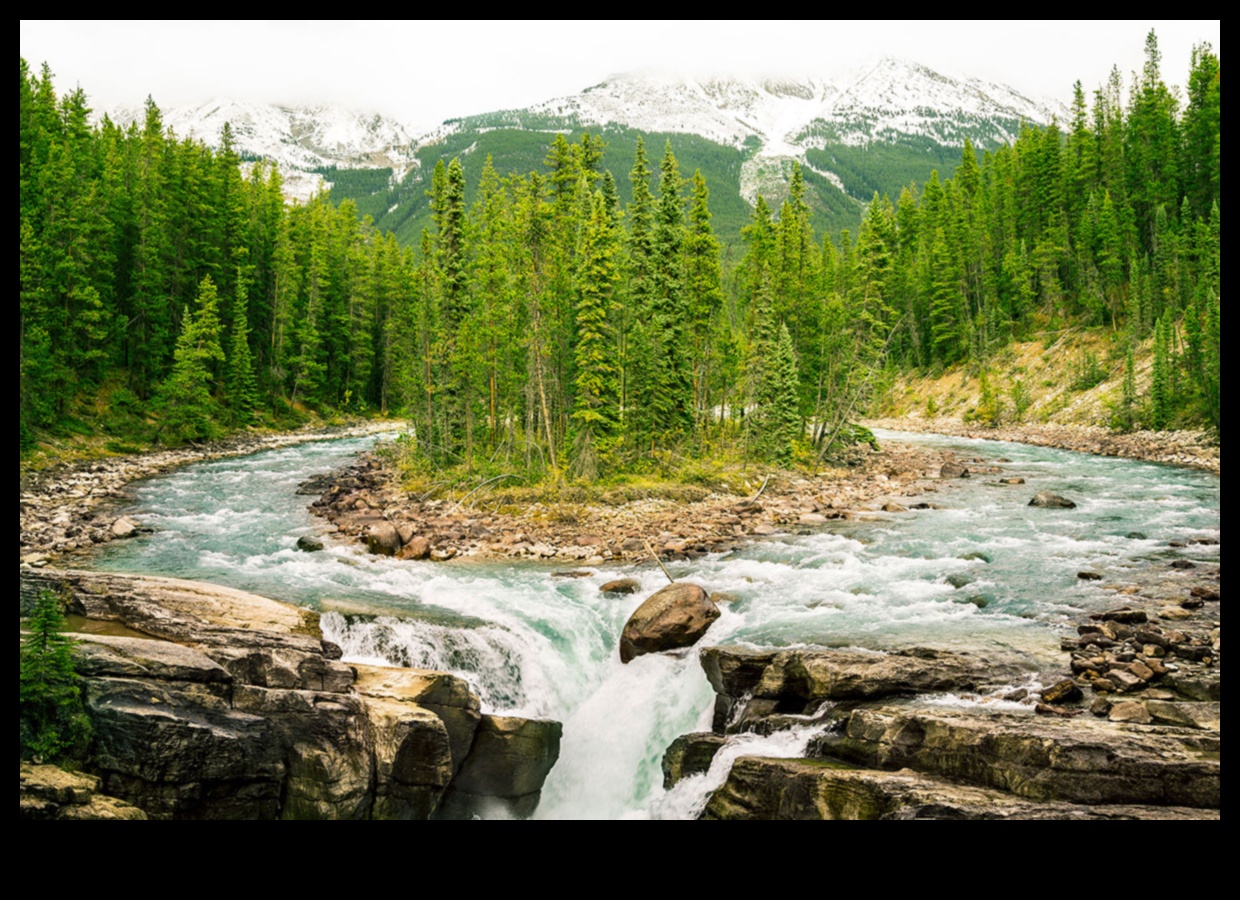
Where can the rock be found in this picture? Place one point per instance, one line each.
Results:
(809, 789)
(764, 529)
(976, 555)
(1125, 680)
(179, 750)
(1089, 576)
(1100, 706)
(672, 617)
(1183, 564)
(1065, 691)
(1014, 480)
(169, 608)
(1130, 711)
(621, 586)
(413, 759)
(575, 573)
(812, 519)
(107, 656)
(953, 470)
(1174, 613)
(308, 544)
(1079, 760)
(1048, 500)
(893, 507)
(1207, 716)
(383, 538)
(447, 696)
(1136, 536)
(124, 527)
(959, 580)
(1123, 616)
(416, 548)
(326, 743)
(506, 767)
(690, 754)
(1046, 709)
(47, 792)
(1205, 593)
(751, 685)
(717, 597)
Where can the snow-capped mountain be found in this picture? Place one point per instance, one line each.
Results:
(298, 138)
(889, 102)
(893, 106)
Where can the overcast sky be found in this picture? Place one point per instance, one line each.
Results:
(424, 72)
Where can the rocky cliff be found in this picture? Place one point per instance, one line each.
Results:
(230, 705)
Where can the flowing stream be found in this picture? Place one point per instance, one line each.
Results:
(539, 646)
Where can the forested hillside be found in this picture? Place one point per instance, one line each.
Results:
(579, 319)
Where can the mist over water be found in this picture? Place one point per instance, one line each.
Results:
(542, 647)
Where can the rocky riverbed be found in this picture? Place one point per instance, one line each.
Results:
(1130, 728)
(70, 508)
(364, 502)
(1183, 448)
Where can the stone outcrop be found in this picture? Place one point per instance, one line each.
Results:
(883, 753)
(505, 769)
(690, 754)
(751, 687)
(1077, 761)
(250, 714)
(818, 789)
(671, 618)
(47, 792)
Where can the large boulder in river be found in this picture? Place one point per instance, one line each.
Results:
(1048, 500)
(672, 617)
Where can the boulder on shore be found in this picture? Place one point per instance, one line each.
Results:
(672, 617)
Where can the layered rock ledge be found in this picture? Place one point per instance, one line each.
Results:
(233, 706)
(883, 752)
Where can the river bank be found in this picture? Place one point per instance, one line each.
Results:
(71, 507)
(365, 502)
(1181, 448)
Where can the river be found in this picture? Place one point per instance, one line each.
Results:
(985, 573)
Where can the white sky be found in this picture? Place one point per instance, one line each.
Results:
(424, 72)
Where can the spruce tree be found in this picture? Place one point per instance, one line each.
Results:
(243, 395)
(186, 394)
(52, 721)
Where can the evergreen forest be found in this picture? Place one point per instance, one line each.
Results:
(576, 321)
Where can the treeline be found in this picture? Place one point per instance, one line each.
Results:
(153, 268)
(544, 323)
(1114, 222)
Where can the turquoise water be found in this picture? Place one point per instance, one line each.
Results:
(544, 647)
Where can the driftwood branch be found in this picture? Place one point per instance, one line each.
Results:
(659, 561)
(761, 489)
(478, 488)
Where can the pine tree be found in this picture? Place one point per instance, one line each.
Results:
(243, 395)
(780, 417)
(186, 394)
(595, 407)
(52, 720)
